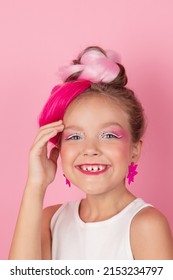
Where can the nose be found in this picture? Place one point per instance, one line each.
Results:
(91, 148)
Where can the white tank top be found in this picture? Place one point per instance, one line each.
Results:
(73, 239)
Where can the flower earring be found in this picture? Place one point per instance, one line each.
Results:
(132, 172)
(67, 181)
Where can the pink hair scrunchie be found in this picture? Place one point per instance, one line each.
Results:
(94, 67)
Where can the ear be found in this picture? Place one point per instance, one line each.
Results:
(136, 151)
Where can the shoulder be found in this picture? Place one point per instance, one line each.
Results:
(151, 236)
(46, 240)
(49, 211)
(47, 215)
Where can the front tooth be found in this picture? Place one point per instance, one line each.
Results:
(93, 168)
(101, 168)
(89, 168)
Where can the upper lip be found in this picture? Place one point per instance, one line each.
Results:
(90, 164)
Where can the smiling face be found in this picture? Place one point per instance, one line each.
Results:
(96, 146)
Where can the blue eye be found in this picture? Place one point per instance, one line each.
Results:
(111, 135)
(73, 137)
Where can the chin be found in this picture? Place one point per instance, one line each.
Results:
(92, 189)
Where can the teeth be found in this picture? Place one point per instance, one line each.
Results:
(92, 168)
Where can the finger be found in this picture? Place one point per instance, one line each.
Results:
(48, 127)
(48, 130)
(53, 124)
(39, 147)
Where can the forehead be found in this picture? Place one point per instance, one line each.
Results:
(95, 110)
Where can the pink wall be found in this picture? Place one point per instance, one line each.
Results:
(39, 36)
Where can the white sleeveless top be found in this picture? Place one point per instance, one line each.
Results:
(73, 239)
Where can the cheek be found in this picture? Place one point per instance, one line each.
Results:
(66, 153)
(125, 152)
(121, 151)
(63, 154)
(65, 159)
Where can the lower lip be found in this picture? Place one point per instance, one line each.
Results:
(86, 172)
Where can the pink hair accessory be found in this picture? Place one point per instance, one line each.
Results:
(132, 172)
(113, 56)
(67, 71)
(61, 96)
(94, 67)
(101, 70)
(91, 56)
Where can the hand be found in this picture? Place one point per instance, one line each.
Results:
(42, 169)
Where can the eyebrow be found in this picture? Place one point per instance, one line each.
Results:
(74, 127)
(111, 124)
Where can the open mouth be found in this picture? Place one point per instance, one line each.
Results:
(92, 169)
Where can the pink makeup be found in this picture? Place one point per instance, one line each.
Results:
(117, 133)
(68, 135)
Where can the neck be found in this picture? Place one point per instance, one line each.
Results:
(96, 208)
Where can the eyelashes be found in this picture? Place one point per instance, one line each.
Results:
(111, 135)
(104, 135)
(73, 137)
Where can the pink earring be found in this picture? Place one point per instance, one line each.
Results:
(67, 181)
(132, 172)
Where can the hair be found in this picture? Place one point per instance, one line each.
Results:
(97, 71)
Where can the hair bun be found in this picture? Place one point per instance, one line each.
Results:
(96, 65)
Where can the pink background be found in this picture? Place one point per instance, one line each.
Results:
(36, 37)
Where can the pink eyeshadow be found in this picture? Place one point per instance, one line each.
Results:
(65, 135)
(119, 132)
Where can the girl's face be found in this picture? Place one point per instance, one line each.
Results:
(96, 146)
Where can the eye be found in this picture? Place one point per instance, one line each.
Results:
(111, 135)
(73, 137)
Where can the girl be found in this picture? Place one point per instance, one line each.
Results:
(96, 125)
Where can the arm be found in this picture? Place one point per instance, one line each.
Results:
(46, 238)
(26, 240)
(151, 237)
(26, 243)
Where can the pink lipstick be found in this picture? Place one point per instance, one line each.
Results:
(93, 169)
